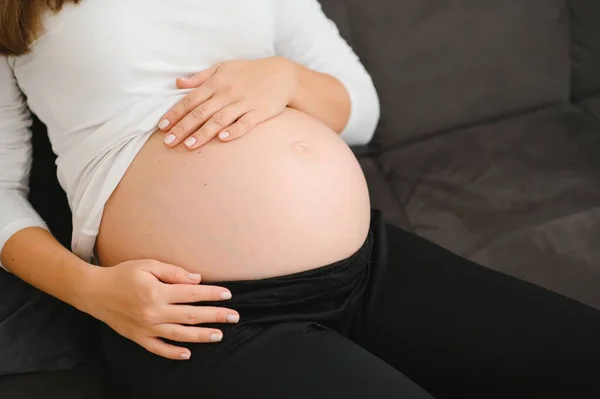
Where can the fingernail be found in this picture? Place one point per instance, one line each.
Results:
(163, 124)
(223, 135)
(226, 295)
(193, 276)
(185, 355)
(169, 139)
(215, 337)
(233, 318)
(190, 141)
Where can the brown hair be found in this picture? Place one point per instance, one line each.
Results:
(21, 23)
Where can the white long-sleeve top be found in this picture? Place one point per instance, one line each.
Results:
(104, 72)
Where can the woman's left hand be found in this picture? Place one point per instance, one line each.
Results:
(229, 99)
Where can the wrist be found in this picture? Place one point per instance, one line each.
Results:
(81, 278)
(294, 72)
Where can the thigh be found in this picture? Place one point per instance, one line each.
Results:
(288, 360)
(461, 330)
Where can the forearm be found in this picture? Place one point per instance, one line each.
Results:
(322, 96)
(36, 257)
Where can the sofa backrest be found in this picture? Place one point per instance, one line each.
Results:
(585, 47)
(441, 64)
(46, 195)
(337, 11)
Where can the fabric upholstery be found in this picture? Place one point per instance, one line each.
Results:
(46, 196)
(79, 383)
(592, 106)
(441, 64)
(520, 195)
(336, 10)
(382, 197)
(585, 45)
(38, 332)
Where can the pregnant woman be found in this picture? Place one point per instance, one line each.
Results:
(202, 145)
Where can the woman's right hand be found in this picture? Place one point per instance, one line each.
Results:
(147, 300)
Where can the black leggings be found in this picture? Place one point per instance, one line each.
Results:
(402, 318)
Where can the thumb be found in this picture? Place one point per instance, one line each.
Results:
(196, 79)
(171, 274)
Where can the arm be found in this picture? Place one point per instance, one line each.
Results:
(333, 84)
(322, 96)
(27, 249)
(15, 160)
(50, 267)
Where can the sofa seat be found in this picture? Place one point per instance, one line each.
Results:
(520, 195)
(87, 382)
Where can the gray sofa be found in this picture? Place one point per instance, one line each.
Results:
(489, 144)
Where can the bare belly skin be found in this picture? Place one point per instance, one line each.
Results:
(288, 196)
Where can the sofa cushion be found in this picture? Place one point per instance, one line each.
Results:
(520, 195)
(46, 195)
(592, 106)
(80, 383)
(585, 39)
(38, 332)
(441, 64)
(382, 197)
(336, 11)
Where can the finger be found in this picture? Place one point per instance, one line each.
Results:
(197, 293)
(243, 125)
(192, 315)
(171, 274)
(220, 121)
(185, 106)
(179, 333)
(196, 79)
(160, 348)
(195, 119)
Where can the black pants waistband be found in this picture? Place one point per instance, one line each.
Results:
(315, 291)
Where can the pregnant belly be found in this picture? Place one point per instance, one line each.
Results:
(288, 196)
